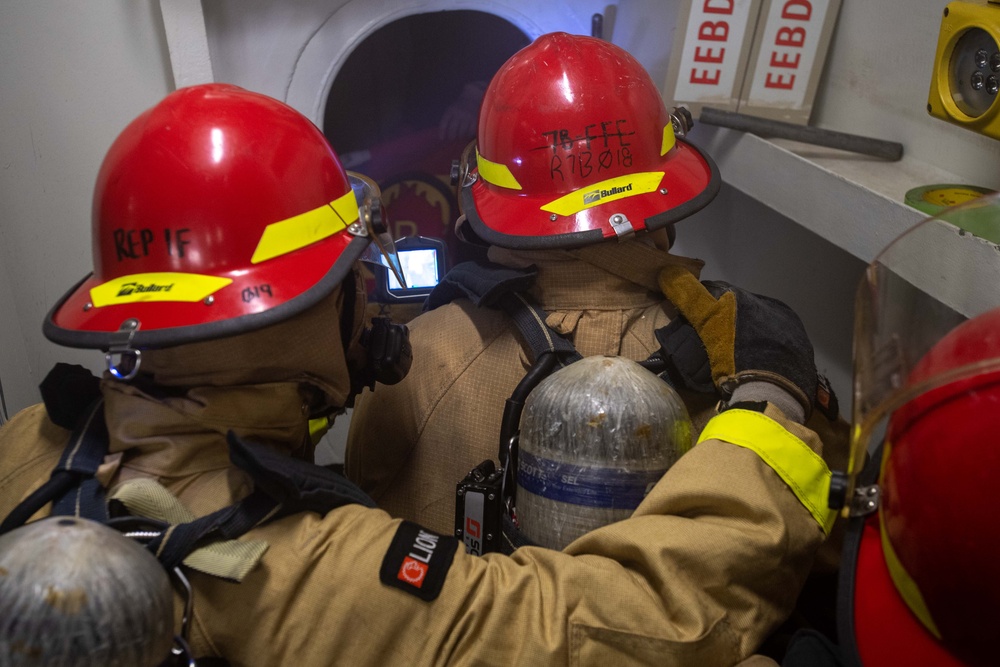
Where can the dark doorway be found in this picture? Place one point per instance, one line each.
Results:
(405, 104)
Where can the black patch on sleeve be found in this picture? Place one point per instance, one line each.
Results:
(418, 561)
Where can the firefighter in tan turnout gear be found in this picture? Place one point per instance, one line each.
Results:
(225, 297)
(576, 198)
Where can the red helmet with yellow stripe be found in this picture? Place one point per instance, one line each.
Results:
(216, 212)
(917, 584)
(575, 145)
(923, 589)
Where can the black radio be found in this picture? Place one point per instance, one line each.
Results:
(479, 506)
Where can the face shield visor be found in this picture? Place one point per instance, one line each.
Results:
(937, 275)
(372, 223)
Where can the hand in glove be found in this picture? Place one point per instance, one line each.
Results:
(749, 339)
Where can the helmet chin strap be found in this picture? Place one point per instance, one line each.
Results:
(129, 359)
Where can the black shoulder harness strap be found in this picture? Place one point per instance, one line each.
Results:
(496, 286)
(502, 287)
(283, 486)
(72, 487)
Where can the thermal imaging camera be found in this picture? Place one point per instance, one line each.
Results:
(423, 261)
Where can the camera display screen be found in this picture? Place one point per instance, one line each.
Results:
(420, 266)
(424, 263)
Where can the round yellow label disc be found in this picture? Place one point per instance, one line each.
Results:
(933, 199)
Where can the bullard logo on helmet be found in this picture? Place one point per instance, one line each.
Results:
(138, 288)
(597, 195)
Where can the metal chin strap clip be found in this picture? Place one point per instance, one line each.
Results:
(129, 358)
(622, 226)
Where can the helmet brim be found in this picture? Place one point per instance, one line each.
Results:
(506, 219)
(306, 276)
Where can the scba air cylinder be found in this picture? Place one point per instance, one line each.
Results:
(595, 437)
(76, 592)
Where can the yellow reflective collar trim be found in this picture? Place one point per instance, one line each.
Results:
(282, 237)
(318, 428)
(668, 139)
(612, 189)
(496, 173)
(805, 471)
(905, 584)
(189, 287)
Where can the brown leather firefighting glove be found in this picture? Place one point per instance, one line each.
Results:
(748, 339)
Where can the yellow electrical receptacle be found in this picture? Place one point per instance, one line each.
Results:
(965, 86)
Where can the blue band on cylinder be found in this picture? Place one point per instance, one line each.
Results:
(591, 486)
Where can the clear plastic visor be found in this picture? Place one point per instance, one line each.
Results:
(937, 275)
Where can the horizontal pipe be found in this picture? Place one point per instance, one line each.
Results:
(765, 127)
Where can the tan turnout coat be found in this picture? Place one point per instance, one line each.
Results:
(708, 565)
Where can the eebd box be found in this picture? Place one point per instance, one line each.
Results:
(758, 57)
(786, 62)
(711, 48)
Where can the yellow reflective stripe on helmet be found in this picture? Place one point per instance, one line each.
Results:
(668, 139)
(805, 471)
(156, 287)
(282, 237)
(612, 189)
(905, 584)
(496, 173)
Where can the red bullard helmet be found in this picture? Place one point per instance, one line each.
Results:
(919, 582)
(216, 212)
(575, 145)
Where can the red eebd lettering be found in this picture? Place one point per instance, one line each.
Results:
(713, 31)
(797, 10)
(705, 77)
(779, 81)
(782, 60)
(793, 37)
(708, 56)
(718, 6)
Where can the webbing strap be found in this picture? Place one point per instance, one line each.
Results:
(72, 488)
(503, 287)
(228, 559)
(530, 322)
(805, 471)
(84, 454)
(483, 283)
(282, 486)
(173, 545)
(296, 485)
